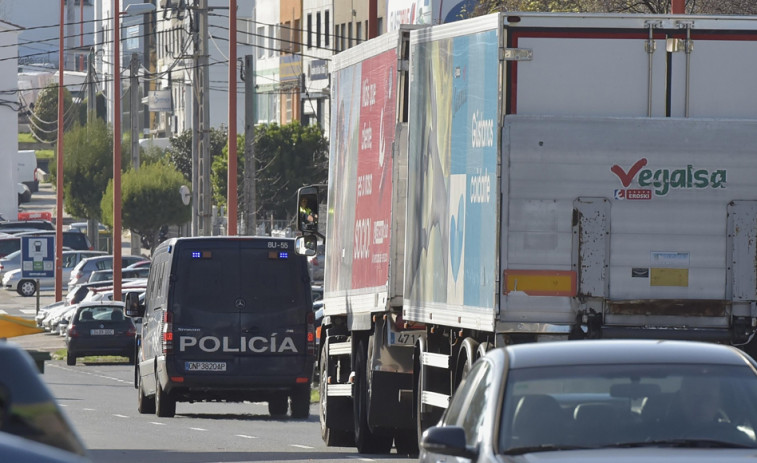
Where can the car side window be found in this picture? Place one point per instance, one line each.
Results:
(469, 402)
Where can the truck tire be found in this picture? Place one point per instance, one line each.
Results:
(366, 440)
(331, 437)
(165, 405)
(406, 443)
(144, 404)
(300, 402)
(277, 405)
(465, 359)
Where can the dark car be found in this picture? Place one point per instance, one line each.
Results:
(27, 408)
(100, 328)
(602, 400)
(71, 239)
(9, 244)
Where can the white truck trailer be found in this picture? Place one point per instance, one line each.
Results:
(530, 177)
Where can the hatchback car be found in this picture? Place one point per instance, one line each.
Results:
(602, 400)
(100, 328)
(10, 262)
(80, 273)
(71, 239)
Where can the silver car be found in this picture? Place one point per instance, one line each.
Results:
(602, 400)
(80, 273)
(13, 279)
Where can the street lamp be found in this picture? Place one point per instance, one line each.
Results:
(133, 9)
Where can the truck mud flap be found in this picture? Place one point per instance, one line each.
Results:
(386, 411)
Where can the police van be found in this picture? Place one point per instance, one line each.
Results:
(228, 319)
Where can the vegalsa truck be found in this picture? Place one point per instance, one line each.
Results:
(529, 177)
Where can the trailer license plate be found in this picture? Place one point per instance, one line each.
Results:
(205, 366)
(100, 332)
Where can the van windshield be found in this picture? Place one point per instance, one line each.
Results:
(239, 275)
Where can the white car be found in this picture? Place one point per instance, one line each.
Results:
(13, 280)
(10, 262)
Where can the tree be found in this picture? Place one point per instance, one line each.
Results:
(287, 157)
(180, 152)
(87, 167)
(44, 118)
(101, 108)
(150, 199)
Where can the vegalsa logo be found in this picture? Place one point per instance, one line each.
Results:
(661, 181)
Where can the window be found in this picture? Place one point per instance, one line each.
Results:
(318, 30)
(349, 36)
(469, 403)
(310, 30)
(358, 32)
(326, 28)
(272, 40)
(261, 42)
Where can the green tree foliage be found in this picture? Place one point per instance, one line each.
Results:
(150, 198)
(287, 157)
(101, 109)
(87, 167)
(180, 152)
(45, 115)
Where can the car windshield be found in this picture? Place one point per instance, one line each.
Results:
(628, 405)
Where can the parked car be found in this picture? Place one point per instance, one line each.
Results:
(9, 243)
(100, 328)
(9, 226)
(80, 273)
(126, 273)
(24, 193)
(13, 280)
(602, 400)
(140, 264)
(44, 311)
(28, 409)
(315, 264)
(10, 262)
(71, 239)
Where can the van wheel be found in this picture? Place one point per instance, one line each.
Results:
(70, 358)
(26, 288)
(300, 398)
(144, 404)
(278, 405)
(165, 405)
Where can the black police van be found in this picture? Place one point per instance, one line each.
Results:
(228, 319)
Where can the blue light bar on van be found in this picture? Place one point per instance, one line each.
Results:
(202, 255)
(278, 255)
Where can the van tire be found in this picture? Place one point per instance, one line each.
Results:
(165, 405)
(144, 404)
(277, 405)
(70, 359)
(300, 398)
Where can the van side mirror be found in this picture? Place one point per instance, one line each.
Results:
(307, 209)
(133, 308)
(306, 245)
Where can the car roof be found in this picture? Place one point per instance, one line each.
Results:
(620, 351)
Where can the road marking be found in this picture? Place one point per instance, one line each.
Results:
(88, 409)
(359, 458)
(29, 311)
(158, 423)
(119, 416)
(198, 429)
(301, 446)
(246, 437)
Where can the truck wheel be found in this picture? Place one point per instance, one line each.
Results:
(144, 404)
(26, 288)
(70, 358)
(300, 399)
(366, 440)
(165, 405)
(277, 406)
(332, 437)
(406, 443)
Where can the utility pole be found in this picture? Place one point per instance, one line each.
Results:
(201, 188)
(250, 222)
(136, 242)
(93, 227)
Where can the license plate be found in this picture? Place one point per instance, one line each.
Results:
(101, 332)
(205, 366)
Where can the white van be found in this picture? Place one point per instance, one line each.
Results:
(27, 169)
